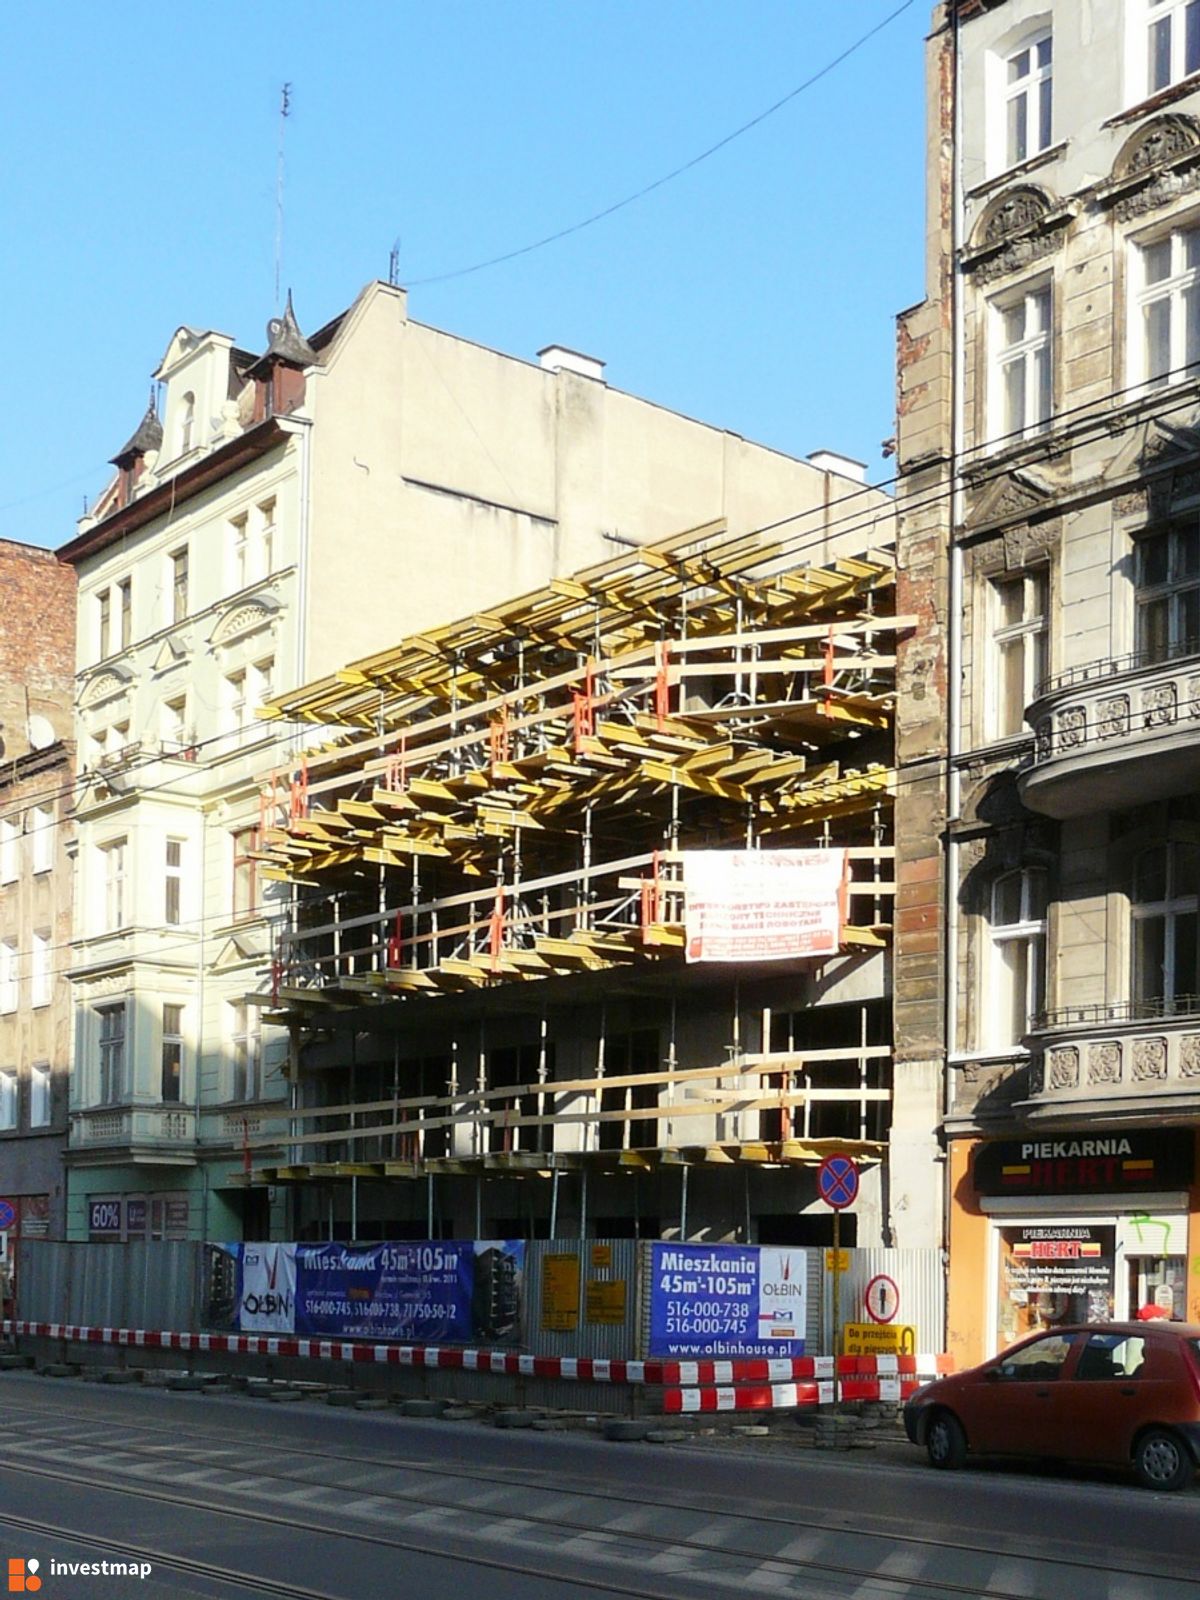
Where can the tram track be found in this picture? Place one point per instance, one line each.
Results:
(148, 1455)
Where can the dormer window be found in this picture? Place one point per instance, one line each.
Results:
(187, 422)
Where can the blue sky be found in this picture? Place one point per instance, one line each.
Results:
(757, 291)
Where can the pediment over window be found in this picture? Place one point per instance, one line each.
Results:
(1015, 496)
(1157, 163)
(171, 653)
(1019, 227)
(104, 686)
(1159, 464)
(249, 945)
(251, 617)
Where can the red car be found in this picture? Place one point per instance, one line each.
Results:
(1121, 1393)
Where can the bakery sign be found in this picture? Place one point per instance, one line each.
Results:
(1129, 1162)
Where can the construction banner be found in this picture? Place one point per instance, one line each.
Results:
(763, 905)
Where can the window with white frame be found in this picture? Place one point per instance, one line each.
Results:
(187, 422)
(266, 536)
(172, 1053)
(245, 873)
(237, 709)
(245, 1052)
(1167, 593)
(1013, 993)
(39, 971)
(39, 1096)
(174, 723)
(8, 1098)
(178, 567)
(1020, 649)
(116, 738)
(10, 850)
(41, 838)
(239, 552)
(9, 989)
(125, 597)
(263, 680)
(1020, 398)
(103, 623)
(1172, 42)
(173, 884)
(111, 1037)
(112, 858)
(1165, 947)
(1028, 90)
(1165, 309)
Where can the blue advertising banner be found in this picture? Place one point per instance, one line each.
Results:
(462, 1291)
(727, 1300)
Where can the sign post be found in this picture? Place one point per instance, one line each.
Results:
(837, 1181)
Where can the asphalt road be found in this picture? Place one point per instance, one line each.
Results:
(232, 1496)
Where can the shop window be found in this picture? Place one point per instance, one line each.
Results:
(1014, 986)
(1166, 951)
(1020, 650)
(1167, 594)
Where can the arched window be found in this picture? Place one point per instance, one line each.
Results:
(1014, 991)
(1165, 946)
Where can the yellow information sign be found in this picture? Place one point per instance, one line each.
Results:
(604, 1302)
(560, 1293)
(837, 1261)
(879, 1339)
(601, 1257)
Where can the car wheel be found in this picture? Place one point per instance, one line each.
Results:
(1161, 1460)
(945, 1441)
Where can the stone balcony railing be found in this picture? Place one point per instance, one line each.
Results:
(168, 1131)
(1117, 1060)
(1114, 734)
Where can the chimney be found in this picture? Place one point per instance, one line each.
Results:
(557, 358)
(844, 466)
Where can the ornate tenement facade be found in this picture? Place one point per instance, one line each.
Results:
(1048, 822)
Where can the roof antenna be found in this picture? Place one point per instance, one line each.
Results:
(285, 107)
(394, 264)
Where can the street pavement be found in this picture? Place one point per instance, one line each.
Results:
(226, 1495)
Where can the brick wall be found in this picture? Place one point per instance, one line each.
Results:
(37, 643)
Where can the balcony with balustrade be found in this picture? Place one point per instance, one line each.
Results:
(1135, 1060)
(158, 1134)
(1115, 733)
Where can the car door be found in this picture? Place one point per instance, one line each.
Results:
(1015, 1406)
(1104, 1396)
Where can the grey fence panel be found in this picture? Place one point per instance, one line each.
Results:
(615, 1341)
(919, 1276)
(146, 1284)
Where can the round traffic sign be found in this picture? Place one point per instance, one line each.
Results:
(837, 1181)
(8, 1215)
(882, 1298)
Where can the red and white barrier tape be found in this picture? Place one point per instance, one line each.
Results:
(687, 1385)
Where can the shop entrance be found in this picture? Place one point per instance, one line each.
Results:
(1156, 1280)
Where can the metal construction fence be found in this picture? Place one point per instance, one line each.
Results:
(580, 1298)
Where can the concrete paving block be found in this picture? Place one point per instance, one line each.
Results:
(189, 1382)
(122, 1375)
(58, 1369)
(667, 1436)
(459, 1414)
(422, 1408)
(371, 1402)
(10, 1362)
(342, 1397)
(627, 1428)
(284, 1394)
(515, 1419)
(751, 1430)
(551, 1424)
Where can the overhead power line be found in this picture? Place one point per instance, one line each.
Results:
(676, 172)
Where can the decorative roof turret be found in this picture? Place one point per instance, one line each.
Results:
(147, 436)
(285, 342)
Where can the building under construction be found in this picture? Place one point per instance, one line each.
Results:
(497, 1026)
